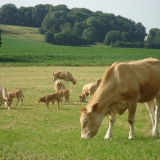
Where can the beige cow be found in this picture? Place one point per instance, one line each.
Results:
(89, 89)
(66, 76)
(4, 97)
(58, 85)
(18, 93)
(123, 85)
(51, 98)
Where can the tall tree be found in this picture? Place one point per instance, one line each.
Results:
(0, 38)
(8, 14)
(38, 14)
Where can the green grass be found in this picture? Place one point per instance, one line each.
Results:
(32, 132)
(24, 52)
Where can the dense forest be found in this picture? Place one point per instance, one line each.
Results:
(79, 26)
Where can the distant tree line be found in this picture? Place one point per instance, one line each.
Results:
(79, 26)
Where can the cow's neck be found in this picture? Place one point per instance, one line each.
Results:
(106, 97)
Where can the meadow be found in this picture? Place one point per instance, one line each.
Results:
(30, 131)
(16, 51)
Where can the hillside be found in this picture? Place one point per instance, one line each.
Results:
(22, 32)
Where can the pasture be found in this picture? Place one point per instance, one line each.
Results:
(24, 52)
(32, 132)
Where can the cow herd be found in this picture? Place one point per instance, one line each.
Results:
(122, 86)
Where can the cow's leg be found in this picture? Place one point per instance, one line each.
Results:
(151, 107)
(131, 117)
(89, 98)
(17, 101)
(21, 100)
(47, 105)
(156, 118)
(58, 104)
(112, 119)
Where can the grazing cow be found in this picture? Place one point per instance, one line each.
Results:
(66, 76)
(123, 85)
(51, 98)
(65, 94)
(89, 89)
(4, 97)
(16, 94)
(58, 85)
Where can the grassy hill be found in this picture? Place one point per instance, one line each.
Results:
(22, 32)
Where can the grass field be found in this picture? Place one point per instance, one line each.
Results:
(32, 132)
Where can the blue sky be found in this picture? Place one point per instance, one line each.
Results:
(145, 11)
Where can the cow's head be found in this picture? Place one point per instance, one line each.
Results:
(40, 100)
(90, 121)
(74, 82)
(8, 102)
(82, 98)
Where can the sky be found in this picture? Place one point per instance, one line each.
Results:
(145, 11)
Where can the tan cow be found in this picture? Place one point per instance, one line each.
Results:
(123, 85)
(66, 76)
(51, 98)
(18, 93)
(65, 94)
(89, 89)
(58, 85)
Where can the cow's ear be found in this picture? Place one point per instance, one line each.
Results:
(95, 107)
(83, 109)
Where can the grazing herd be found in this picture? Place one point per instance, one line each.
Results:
(122, 86)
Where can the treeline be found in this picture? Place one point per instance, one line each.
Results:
(79, 26)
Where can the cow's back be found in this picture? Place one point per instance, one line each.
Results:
(136, 79)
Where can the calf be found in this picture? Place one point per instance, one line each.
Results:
(50, 98)
(89, 89)
(64, 93)
(16, 94)
(66, 76)
(58, 85)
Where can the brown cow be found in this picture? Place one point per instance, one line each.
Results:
(64, 93)
(123, 85)
(66, 76)
(18, 93)
(58, 85)
(51, 98)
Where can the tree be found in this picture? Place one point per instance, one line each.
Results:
(153, 39)
(140, 32)
(0, 38)
(89, 34)
(38, 14)
(8, 14)
(49, 37)
(112, 37)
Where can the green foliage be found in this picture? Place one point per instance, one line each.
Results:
(49, 37)
(33, 53)
(153, 39)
